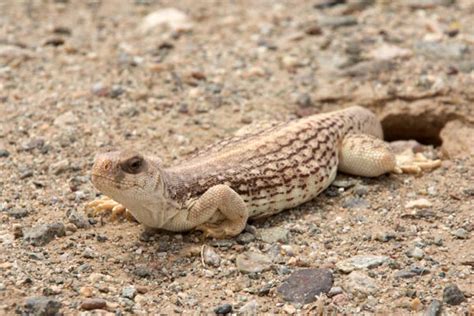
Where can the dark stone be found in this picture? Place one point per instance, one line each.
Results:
(4, 153)
(142, 272)
(42, 306)
(303, 285)
(434, 309)
(18, 213)
(116, 91)
(304, 100)
(25, 173)
(77, 219)
(404, 274)
(452, 295)
(43, 234)
(323, 4)
(245, 238)
(420, 270)
(223, 309)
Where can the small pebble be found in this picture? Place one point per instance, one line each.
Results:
(129, 292)
(420, 203)
(4, 153)
(223, 309)
(460, 233)
(416, 253)
(93, 303)
(452, 295)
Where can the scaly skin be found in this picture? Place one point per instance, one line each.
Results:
(256, 174)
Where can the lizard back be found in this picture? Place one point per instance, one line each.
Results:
(273, 169)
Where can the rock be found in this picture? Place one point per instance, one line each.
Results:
(369, 68)
(335, 290)
(360, 283)
(389, 52)
(17, 231)
(304, 100)
(129, 292)
(89, 253)
(25, 172)
(304, 285)
(4, 153)
(434, 309)
(427, 4)
(210, 257)
(291, 62)
(86, 291)
(142, 271)
(245, 238)
(416, 253)
(420, 203)
(460, 233)
(43, 234)
(249, 309)
(360, 190)
(384, 236)
(223, 309)
(78, 219)
(93, 303)
(361, 262)
(41, 305)
(171, 18)
(355, 203)
(66, 119)
(253, 262)
(18, 213)
(99, 89)
(458, 139)
(116, 91)
(404, 274)
(452, 295)
(289, 309)
(338, 21)
(10, 53)
(323, 4)
(275, 234)
(59, 167)
(436, 50)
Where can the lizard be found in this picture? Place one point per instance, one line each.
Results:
(252, 175)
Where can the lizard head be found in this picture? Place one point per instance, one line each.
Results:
(128, 177)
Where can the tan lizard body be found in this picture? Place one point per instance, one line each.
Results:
(256, 174)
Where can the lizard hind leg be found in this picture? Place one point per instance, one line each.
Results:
(366, 155)
(219, 198)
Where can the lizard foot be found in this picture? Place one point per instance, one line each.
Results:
(220, 230)
(106, 205)
(409, 162)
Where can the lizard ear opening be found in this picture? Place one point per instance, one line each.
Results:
(133, 165)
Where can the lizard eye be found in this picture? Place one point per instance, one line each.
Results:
(133, 165)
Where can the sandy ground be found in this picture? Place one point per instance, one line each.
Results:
(78, 77)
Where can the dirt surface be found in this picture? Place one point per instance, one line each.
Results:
(78, 77)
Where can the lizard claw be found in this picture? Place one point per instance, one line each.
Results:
(222, 230)
(409, 162)
(106, 205)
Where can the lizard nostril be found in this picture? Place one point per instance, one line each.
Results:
(107, 165)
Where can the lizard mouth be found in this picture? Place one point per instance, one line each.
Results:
(98, 179)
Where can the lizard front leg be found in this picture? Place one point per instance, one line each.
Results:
(219, 198)
(106, 205)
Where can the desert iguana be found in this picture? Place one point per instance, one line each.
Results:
(255, 174)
